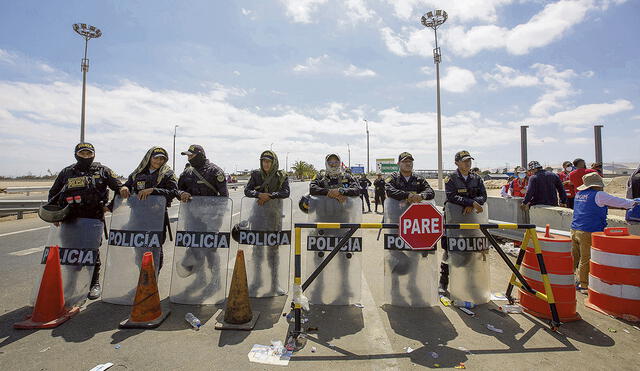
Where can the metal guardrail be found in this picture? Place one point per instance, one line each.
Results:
(19, 207)
(26, 190)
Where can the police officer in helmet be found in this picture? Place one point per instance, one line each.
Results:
(406, 185)
(83, 187)
(465, 188)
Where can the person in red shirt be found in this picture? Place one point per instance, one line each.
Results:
(567, 167)
(581, 169)
(519, 184)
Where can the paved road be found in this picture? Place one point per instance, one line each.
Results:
(370, 338)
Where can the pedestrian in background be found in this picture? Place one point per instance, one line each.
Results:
(544, 188)
(505, 189)
(378, 184)
(519, 184)
(580, 169)
(597, 167)
(364, 191)
(570, 190)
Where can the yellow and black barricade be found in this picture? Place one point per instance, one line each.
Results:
(529, 236)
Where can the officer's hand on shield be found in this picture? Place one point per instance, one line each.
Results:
(334, 193)
(57, 224)
(477, 207)
(467, 210)
(124, 192)
(263, 198)
(142, 195)
(185, 196)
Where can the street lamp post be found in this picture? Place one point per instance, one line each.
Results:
(87, 32)
(433, 20)
(349, 152)
(175, 129)
(286, 164)
(367, 126)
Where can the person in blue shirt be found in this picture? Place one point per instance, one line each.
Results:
(590, 215)
(544, 187)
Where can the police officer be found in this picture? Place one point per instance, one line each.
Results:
(378, 185)
(153, 176)
(83, 186)
(334, 183)
(364, 195)
(202, 178)
(266, 184)
(406, 185)
(464, 188)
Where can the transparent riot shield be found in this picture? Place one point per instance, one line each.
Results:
(137, 226)
(79, 242)
(201, 254)
(339, 282)
(265, 233)
(468, 250)
(410, 276)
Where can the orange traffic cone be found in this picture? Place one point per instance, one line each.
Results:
(237, 314)
(146, 311)
(49, 310)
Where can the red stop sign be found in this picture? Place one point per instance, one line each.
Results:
(421, 226)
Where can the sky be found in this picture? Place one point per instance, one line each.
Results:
(301, 76)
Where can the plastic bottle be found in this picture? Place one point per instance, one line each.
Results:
(464, 304)
(193, 321)
(445, 300)
(511, 308)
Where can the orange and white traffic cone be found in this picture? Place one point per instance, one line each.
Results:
(49, 310)
(147, 311)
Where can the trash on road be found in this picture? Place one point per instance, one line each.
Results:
(408, 349)
(44, 349)
(274, 354)
(625, 330)
(117, 346)
(467, 311)
(445, 300)
(498, 296)
(434, 355)
(612, 330)
(358, 305)
(102, 367)
(494, 329)
(461, 366)
(313, 349)
(510, 309)
(636, 327)
(193, 321)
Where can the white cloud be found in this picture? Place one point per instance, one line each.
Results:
(19, 62)
(459, 10)
(455, 80)
(248, 13)
(325, 64)
(504, 76)
(557, 88)
(548, 25)
(301, 11)
(354, 71)
(357, 11)
(590, 113)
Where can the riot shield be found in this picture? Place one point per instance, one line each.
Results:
(339, 282)
(468, 250)
(79, 240)
(137, 226)
(410, 276)
(265, 230)
(201, 253)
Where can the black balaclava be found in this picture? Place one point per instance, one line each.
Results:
(83, 164)
(198, 160)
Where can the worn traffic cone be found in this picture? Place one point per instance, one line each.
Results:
(146, 311)
(49, 310)
(238, 314)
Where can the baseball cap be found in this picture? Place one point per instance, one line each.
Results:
(85, 147)
(534, 165)
(405, 155)
(157, 152)
(194, 149)
(463, 155)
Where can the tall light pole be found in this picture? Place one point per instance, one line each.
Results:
(367, 126)
(87, 32)
(433, 20)
(597, 133)
(349, 152)
(286, 164)
(523, 146)
(175, 129)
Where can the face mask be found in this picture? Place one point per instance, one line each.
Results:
(83, 164)
(568, 169)
(197, 161)
(521, 175)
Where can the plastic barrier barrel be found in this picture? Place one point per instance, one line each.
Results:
(556, 251)
(614, 277)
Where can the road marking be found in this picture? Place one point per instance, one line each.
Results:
(23, 231)
(32, 250)
(379, 340)
(235, 214)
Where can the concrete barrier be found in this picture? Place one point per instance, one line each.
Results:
(508, 210)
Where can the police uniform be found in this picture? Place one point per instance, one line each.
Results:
(364, 195)
(84, 186)
(399, 187)
(344, 182)
(463, 192)
(212, 174)
(379, 186)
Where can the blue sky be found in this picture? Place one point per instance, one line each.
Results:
(303, 74)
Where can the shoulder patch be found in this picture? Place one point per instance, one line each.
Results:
(388, 179)
(447, 179)
(220, 178)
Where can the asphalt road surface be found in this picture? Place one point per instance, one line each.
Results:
(374, 337)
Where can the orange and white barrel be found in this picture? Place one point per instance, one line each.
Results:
(614, 273)
(558, 261)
